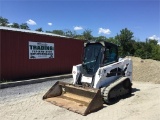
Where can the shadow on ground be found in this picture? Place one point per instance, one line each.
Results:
(135, 90)
(114, 101)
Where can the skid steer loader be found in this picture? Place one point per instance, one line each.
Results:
(101, 78)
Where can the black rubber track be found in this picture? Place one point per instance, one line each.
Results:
(117, 90)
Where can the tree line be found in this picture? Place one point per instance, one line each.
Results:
(128, 45)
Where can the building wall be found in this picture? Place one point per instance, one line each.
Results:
(15, 62)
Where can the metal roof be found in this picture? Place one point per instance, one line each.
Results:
(31, 31)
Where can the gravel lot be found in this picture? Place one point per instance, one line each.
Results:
(25, 102)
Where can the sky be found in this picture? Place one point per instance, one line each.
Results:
(102, 17)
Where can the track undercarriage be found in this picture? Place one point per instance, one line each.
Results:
(120, 88)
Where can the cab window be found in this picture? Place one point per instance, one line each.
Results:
(110, 55)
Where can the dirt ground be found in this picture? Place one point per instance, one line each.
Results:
(143, 104)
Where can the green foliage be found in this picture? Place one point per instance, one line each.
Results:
(113, 40)
(24, 26)
(81, 37)
(69, 33)
(15, 25)
(100, 38)
(59, 32)
(87, 34)
(125, 40)
(156, 52)
(154, 42)
(3, 21)
(39, 30)
(148, 50)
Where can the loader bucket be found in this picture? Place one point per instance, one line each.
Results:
(74, 98)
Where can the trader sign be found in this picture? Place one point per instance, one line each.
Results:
(41, 50)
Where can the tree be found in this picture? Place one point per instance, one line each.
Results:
(125, 38)
(39, 30)
(69, 33)
(113, 40)
(87, 34)
(47, 31)
(100, 38)
(24, 26)
(81, 37)
(3, 21)
(156, 52)
(153, 49)
(59, 32)
(147, 50)
(15, 25)
(154, 42)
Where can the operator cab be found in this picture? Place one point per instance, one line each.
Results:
(97, 54)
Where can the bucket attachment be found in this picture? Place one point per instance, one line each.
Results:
(74, 98)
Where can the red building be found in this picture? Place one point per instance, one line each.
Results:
(29, 54)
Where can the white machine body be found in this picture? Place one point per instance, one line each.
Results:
(101, 79)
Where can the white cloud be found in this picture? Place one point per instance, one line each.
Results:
(31, 22)
(50, 24)
(78, 28)
(104, 31)
(154, 37)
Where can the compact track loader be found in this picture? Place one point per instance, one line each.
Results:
(101, 78)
